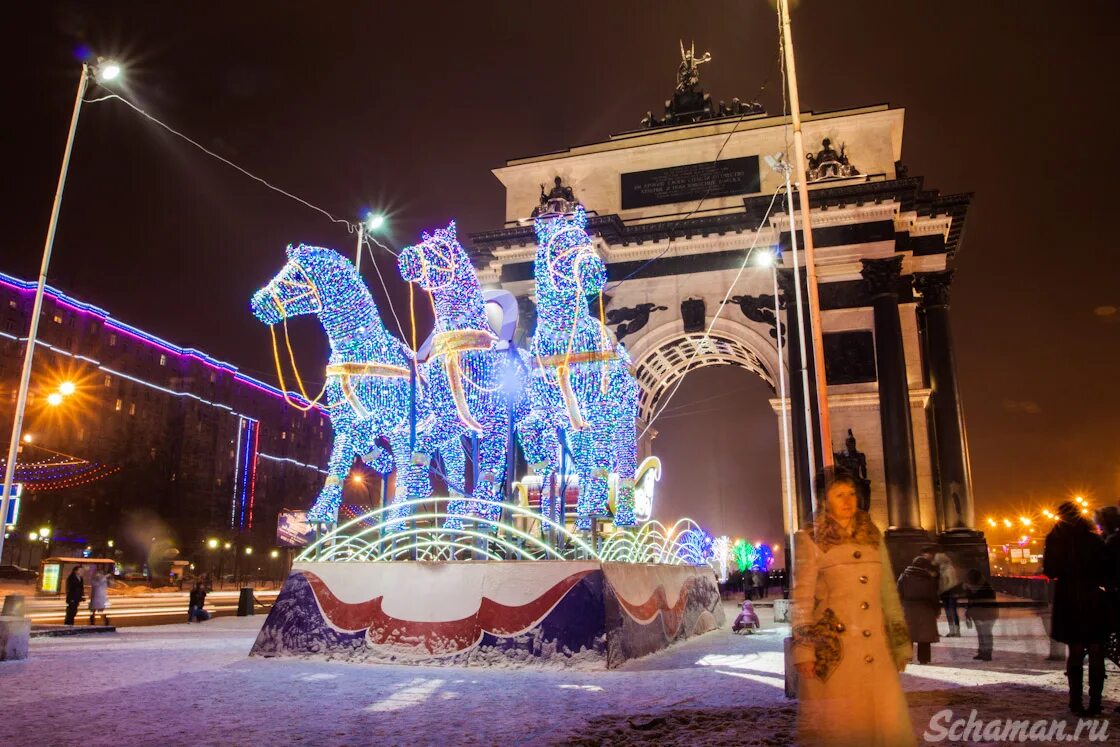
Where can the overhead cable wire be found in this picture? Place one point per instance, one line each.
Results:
(384, 286)
(351, 227)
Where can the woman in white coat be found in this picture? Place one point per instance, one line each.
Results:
(99, 596)
(849, 636)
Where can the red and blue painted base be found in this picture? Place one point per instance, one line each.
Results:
(462, 612)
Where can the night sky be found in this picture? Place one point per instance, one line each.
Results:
(407, 106)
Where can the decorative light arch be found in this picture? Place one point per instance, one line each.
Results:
(665, 361)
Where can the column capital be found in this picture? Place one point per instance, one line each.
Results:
(934, 287)
(881, 275)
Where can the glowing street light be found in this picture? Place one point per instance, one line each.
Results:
(107, 70)
(27, 438)
(104, 71)
(375, 222)
(357, 479)
(274, 554)
(66, 388)
(248, 551)
(212, 543)
(226, 546)
(54, 399)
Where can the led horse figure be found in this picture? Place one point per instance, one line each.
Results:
(368, 383)
(473, 384)
(581, 384)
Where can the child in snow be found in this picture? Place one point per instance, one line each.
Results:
(747, 619)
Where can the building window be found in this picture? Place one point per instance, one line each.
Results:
(132, 409)
(153, 452)
(112, 339)
(108, 381)
(56, 319)
(12, 305)
(163, 360)
(81, 434)
(117, 406)
(213, 377)
(283, 435)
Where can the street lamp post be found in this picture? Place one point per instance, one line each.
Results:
(771, 259)
(106, 71)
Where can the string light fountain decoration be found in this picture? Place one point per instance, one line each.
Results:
(584, 397)
(369, 380)
(474, 380)
(458, 400)
(461, 397)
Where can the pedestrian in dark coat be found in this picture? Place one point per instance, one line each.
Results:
(917, 588)
(1074, 559)
(981, 612)
(1107, 519)
(75, 592)
(196, 602)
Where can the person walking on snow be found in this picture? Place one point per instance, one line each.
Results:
(949, 590)
(849, 637)
(917, 587)
(195, 609)
(75, 592)
(1074, 559)
(981, 611)
(99, 596)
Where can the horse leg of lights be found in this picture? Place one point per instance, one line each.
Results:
(593, 460)
(455, 474)
(491, 471)
(626, 455)
(326, 505)
(538, 442)
(412, 479)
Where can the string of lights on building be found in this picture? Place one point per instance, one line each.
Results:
(157, 343)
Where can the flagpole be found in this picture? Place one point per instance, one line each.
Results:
(807, 240)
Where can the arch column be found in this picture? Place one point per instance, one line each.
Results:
(954, 489)
(882, 277)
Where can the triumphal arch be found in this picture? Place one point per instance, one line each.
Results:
(675, 207)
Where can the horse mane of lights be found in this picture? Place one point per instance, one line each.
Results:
(456, 407)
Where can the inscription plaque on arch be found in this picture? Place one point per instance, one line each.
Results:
(694, 181)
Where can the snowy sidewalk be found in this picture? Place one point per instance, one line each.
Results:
(195, 685)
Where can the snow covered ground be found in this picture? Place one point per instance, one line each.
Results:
(194, 685)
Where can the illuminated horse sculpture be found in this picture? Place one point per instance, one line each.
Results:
(368, 383)
(581, 383)
(474, 381)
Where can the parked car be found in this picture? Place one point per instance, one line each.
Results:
(17, 573)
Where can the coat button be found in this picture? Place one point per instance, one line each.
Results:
(840, 627)
(864, 605)
(863, 579)
(857, 555)
(867, 634)
(869, 658)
